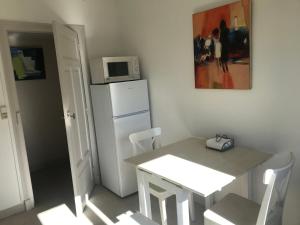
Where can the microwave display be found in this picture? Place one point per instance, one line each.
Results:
(117, 69)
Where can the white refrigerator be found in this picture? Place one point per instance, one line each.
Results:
(119, 110)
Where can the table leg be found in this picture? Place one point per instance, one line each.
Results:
(192, 207)
(209, 201)
(182, 204)
(144, 195)
(250, 185)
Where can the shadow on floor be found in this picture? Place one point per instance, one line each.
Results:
(112, 206)
(51, 187)
(109, 203)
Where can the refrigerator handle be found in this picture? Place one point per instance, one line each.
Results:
(130, 114)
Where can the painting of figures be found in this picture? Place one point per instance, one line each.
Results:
(28, 63)
(222, 47)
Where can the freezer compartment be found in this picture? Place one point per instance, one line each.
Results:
(129, 97)
(123, 128)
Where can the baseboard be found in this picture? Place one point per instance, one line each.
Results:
(11, 211)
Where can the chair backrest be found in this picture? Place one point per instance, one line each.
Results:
(271, 210)
(138, 138)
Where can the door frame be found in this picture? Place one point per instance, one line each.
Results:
(10, 91)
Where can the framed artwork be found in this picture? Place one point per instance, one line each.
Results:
(28, 63)
(222, 41)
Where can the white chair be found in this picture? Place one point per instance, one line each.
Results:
(237, 210)
(154, 136)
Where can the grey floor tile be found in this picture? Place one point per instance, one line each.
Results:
(49, 195)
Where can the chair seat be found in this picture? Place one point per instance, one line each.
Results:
(233, 209)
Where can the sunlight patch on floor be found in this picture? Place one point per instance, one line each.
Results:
(127, 218)
(211, 216)
(62, 215)
(98, 213)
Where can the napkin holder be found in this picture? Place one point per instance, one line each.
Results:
(220, 143)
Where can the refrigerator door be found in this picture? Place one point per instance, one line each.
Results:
(129, 97)
(123, 128)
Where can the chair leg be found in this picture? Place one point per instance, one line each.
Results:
(192, 207)
(163, 211)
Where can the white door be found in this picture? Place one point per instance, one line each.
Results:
(74, 106)
(10, 193)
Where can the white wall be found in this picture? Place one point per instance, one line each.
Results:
(98, 16)
(265, 118)
(41, 107)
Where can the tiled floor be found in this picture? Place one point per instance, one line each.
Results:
(113, 206)
(51, 187)
(110, 204)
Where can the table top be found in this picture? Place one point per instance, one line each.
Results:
(192, 176)
(235, 162)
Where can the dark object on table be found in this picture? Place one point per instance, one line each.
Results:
(220, 143)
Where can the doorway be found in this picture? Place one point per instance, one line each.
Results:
(41, 108)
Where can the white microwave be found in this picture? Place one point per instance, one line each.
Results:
(114, 69)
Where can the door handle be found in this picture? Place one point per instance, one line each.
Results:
(3, 112)
(71, 115)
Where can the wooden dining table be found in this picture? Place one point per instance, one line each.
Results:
(189, 166)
